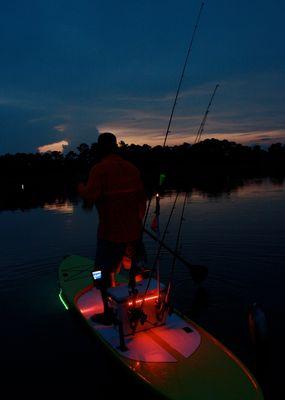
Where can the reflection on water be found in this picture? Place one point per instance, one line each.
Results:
(239, 235)
(59, 207)
(260, 188)
(247, 189)
(215, 187)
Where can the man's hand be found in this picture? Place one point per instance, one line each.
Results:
(92, 190)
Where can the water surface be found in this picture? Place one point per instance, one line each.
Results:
(239, 236)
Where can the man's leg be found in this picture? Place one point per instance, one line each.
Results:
(136, 252)
(108, 256)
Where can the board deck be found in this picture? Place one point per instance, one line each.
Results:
(177, 364)
(178, 334)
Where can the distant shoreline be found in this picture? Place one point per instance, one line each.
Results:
(212, 166)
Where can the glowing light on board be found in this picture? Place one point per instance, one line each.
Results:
(89, 310)
(139, 301)
(97, 275)
(61, 299)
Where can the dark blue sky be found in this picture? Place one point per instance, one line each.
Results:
(72, 68)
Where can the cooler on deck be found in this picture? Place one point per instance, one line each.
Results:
(127, 307)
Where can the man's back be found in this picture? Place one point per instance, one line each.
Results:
(119, 197)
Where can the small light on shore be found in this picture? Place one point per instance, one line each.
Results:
(22, 186)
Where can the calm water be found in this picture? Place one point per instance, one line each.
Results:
(240, 236)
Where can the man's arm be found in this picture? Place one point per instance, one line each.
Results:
(93, 188)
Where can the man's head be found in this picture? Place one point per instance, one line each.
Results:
(107, 143)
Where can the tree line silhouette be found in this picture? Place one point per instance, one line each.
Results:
(211, 165)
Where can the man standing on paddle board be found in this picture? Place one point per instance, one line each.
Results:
(115, 186)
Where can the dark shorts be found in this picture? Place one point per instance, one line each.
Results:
(109, 256)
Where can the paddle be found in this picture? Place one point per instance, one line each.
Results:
(198, 272)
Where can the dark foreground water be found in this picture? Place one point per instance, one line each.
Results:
(240, 236)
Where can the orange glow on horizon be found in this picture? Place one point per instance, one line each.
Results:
(155, 137)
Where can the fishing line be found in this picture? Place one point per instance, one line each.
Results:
(202, 126)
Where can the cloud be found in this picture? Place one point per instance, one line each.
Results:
(60, 128)
(58, 146)
(29, 120)
(246, 109)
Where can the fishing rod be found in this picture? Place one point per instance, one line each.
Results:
(163, 237)
(198, 272)
(178, 91)
(160, 245)
(164, 144)
(192, 267)
(201, 128)
(161, 179)
(157, 228)
(162, 176)
(183, 72)
(166, 303)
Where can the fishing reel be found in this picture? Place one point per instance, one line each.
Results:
(136, 315)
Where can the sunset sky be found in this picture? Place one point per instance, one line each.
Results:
(70, 69)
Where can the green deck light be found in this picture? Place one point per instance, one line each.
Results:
(61, 299)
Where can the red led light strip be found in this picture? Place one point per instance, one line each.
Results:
(139, 301)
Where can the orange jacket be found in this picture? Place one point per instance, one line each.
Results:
(117, 190)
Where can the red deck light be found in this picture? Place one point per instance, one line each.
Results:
(139, 301)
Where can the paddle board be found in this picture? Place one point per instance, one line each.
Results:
(178, 360)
